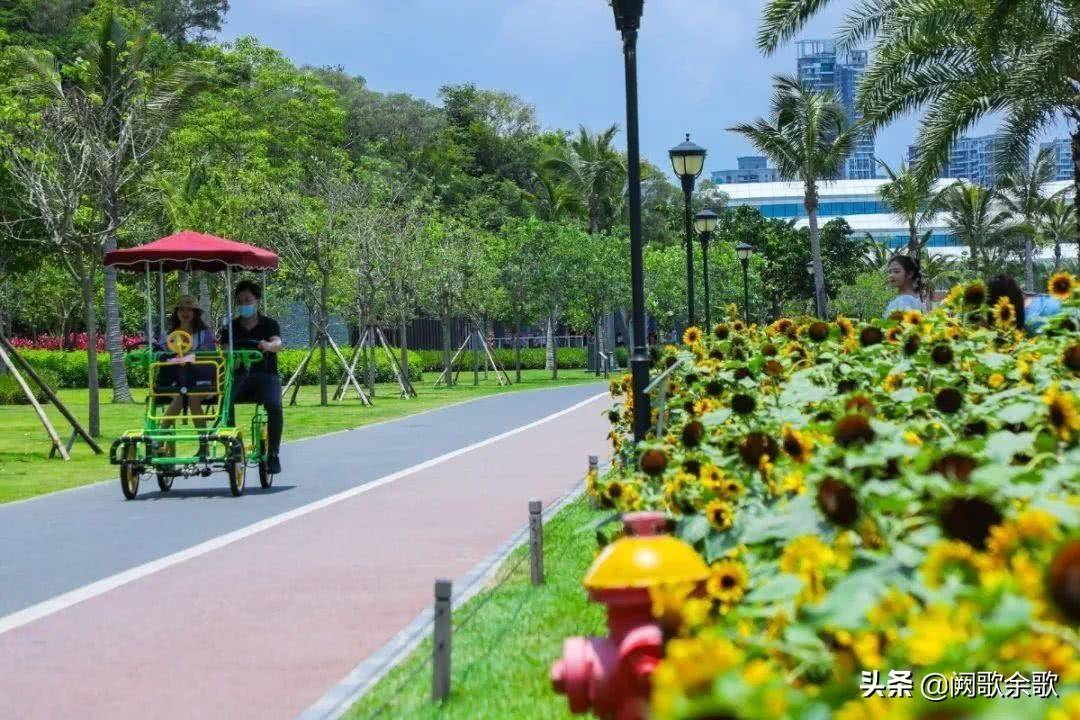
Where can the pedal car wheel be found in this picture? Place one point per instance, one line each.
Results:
(237, 470)
(164, 482)
(129, 478)
(265, 478)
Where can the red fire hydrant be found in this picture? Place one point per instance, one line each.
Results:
(611, 675)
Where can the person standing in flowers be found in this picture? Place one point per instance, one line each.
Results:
(904, 275)
(1006, 301)
(1032, 309)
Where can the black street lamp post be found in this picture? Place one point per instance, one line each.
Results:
(744, 252)
(687, 160)
(705, 222)
(627, 22)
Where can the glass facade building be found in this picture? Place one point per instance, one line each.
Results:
(971, 158)
(1061, 153)
(822, 68)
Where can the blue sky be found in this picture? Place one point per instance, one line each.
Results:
(699, 69)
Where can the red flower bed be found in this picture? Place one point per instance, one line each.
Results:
(73, 341)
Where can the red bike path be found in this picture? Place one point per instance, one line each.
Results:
(263, 626)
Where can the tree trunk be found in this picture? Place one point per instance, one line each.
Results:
(1029, 261)
(447, 350)
(90, 315)
(404, 349)
(475, 358)
(114, 341)
(184, 282)
(1057, 254)
(1076, 183)
(324, 322)
(517, 350)
(598, 344)
(821, 300)
(913, 241)
(551, 362)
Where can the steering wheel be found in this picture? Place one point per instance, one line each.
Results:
(179, 342)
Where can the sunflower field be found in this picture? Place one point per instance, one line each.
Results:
(879, 504)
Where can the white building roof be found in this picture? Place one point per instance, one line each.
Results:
(751, 193)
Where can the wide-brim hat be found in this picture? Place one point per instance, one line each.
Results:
(189, 302)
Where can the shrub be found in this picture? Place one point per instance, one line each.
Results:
(11, 393)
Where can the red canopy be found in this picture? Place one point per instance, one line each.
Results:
(189, 250)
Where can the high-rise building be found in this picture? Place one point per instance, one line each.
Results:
(822, 68)
(970, 158)
(1061, 153)
(752, 169)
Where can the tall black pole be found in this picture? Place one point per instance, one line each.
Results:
(745, 290)
(688, 192)
(705, 275)
(627, 21)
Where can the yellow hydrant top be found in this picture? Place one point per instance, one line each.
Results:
(645, 562)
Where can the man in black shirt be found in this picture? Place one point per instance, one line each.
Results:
(261, 383)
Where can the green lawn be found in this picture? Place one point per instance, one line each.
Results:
(512, 634)
(26, 470)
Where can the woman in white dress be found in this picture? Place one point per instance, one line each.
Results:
(904, 275)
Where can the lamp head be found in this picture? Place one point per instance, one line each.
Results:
(705, 221)
(744, 251)
(687, 158)
(627, 14)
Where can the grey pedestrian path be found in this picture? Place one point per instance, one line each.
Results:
(58, 543)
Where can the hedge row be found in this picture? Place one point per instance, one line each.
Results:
(67, 369)
(531, 358)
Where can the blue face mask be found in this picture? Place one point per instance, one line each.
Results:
(245, 311)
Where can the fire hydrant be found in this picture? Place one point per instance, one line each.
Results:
(611, 676)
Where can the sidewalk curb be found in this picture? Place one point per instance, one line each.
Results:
(337, 701)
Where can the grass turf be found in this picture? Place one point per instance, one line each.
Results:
(27, 471)
(512, 633)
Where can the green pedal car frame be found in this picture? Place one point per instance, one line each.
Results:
(209, 441)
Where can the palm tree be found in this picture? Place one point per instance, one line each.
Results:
(125, 103)
(553, 199)
(592, 165)
(878, 254)
(807, 137)
(912, 198)
(1058, 225)
(938, 271)
(1022, 194)
(975, 220)
(963, 62)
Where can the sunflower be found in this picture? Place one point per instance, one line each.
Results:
(692, 433)
(948, 400)
(913, 317)
(720, 514)
(797, 445)
(1070, 358)
(654, 462)
(773, 368)
(721, 331)
(1064, 415)
(969, 519)
(846, 328)
(837, 502)
(892, 382)
(727, 581)
(1064, 580)
(870, 335)
(817, 331)
(738, 326)
(731, 488)
(756, 445)
(781, 326)
(1061, 285)
(974, 295)
(912, 343)
(941, 354)
(892, 335)
(955, 466)
(743, 404)
(1004, 313)
(860, 404)
(712, 478)
(853, 430)
(692, 336)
